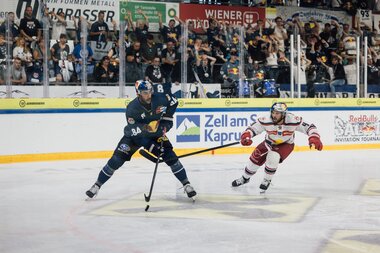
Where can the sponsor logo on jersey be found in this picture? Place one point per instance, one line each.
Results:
(188, 128)
(131, 121)
(124, 148)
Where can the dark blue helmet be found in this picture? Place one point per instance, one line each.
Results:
(142, 85)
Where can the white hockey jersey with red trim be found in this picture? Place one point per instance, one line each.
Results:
(277, 134)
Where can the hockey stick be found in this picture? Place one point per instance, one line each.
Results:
(154, 159)
(147, 198)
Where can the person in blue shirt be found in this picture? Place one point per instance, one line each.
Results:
(149, 116)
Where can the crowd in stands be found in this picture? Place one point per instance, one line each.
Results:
(213, 54)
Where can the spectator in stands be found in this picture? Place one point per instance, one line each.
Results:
(154, 72)
(213, 30)
(219, 53)
(59, 52)
(68, 69)
(280, 33)
(114, 54)
(3, 48)
(18, 75)
(204, 67)
(170, 58)
(133, 63)
(339, 75)
(78, 26)
(22, 52)
(30, 28)
(2, 76)
(104, 72)
(99, 29)
(271, 59)
(171, 31)
(284, 68)
(256, 49)
(142, 27)
(81, 56)
(59, 24)
(38, 57)
(373, 72)
(193, 32)
(329, 35)
(230, 73)
(14, 28)
(148, 52)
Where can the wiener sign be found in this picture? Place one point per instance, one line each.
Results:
(235, 15)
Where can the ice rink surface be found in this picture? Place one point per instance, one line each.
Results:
(319, 202)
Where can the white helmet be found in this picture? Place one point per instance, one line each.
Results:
(279, 107)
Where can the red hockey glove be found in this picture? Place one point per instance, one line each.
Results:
(316, 142)
(246, 138)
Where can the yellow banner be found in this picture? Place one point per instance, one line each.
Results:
(99, 103)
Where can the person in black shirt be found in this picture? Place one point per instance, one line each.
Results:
(339, 74)
(171, 31)
(204, 67)
(30, 27)
(154, 72)
(149, 116)
(99, 29)
(104, 72)
(14, 31)
(141, 28)
(133, 63)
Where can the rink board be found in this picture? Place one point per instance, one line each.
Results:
(60, 129)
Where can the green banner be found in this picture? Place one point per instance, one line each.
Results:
(150, 9)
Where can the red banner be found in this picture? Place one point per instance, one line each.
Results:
(230, 14)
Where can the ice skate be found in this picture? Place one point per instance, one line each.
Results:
(93, 191)
(264, 185)
(240, 181)
(189, 190)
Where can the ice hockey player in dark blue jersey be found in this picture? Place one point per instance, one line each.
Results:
(149, 117)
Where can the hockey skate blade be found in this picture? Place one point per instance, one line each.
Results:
(262, 191)
(147, 208)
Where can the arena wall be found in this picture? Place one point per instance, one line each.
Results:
(59, 129)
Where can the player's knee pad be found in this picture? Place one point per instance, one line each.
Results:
(170, 157)
(273, 159)
(116, 161)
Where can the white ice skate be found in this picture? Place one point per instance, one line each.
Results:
(240, 181)
(93, 191)
(264, 185)
(189, 190)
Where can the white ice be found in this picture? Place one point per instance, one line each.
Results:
(319, 202)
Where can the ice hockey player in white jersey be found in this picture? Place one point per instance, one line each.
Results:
(278, 144)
